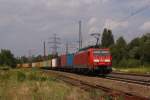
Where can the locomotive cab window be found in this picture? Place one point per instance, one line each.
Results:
(101, 52)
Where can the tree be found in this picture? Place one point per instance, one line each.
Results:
(121, 42)
(134, 49)
(107, 38)
(119, 51)
(7, 58)
(39, 58)
(146, 51)
(133, 43)
(24, 59)
(133, 54)
(111, 37)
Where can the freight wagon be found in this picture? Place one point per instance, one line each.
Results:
(54, 62)
(63, 60)
(26, 65)
(70, 58)
(46, 63)
(19, 65)
(33, 65)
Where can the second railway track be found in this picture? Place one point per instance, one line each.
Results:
(128, 88)
(131, 78)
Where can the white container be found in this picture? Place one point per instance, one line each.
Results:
(49, 63)
(54, 62)
(45, 64)
(33, 64)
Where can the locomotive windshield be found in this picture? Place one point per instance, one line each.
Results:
(101, 52)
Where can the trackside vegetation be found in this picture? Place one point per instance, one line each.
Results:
(134, 54)
(139, 69)
(32, 84)
(7, 58)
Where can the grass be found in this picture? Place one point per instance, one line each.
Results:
(4, 67)
(141, 69)
(27, 84)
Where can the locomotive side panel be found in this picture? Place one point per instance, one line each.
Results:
(81, 60)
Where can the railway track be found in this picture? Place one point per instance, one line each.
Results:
(128, 88)
(133, 74)
(130, 78)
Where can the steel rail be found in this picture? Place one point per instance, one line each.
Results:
(130, 78)
(147, 83)
(133, 74)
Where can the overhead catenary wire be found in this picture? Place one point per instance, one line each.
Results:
(135, 13)
(69, 47)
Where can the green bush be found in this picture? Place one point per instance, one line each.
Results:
(33, 76)
(123, 62)
(21, 76)
(7, 58)
(4, 75)
(147, 64)
(133, 63)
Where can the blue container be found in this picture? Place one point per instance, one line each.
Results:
(70, 60)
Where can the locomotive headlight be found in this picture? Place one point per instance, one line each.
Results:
(107, 60)
(96, 60)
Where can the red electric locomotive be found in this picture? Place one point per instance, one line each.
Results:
(95, 60)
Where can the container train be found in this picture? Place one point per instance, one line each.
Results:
(93, 60)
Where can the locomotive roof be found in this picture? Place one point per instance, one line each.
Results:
(92, 47)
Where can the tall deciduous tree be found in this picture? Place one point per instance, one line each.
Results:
(119, 50)
(121, 42)
(107, 38)
(7, 58)
(146, 50)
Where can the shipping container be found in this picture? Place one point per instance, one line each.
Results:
(70, 58)
(63, 60)
(59, 62)
(49, 63)
(33, 64)
(54, 62)
(38, 64)
(41, 64)
(26, 65)
(19, 65)
(45, 64)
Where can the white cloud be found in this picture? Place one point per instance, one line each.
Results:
(92, 21)
(63, 3)
(9, 20)
(92, 24)
(138, 3)
(70, 3)
(112, 24)
(145, 26)
(105, 1)
(93, 29)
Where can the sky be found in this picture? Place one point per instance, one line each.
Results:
(25, 24)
